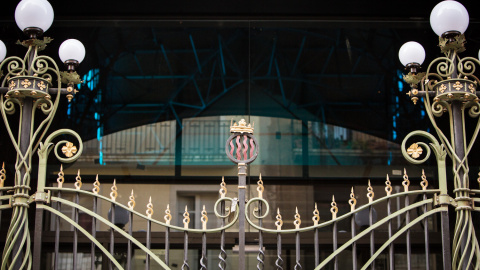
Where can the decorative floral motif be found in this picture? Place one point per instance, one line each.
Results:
(471, 87)
(442, 88)
(414, 150)
(41, 85)
(12, 85)
(458, 86)
(26, 83)
(69, 149)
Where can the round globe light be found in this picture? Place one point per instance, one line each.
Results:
(3, 51)
(34, 13)
(449, 16)
(411, 53)
(71, 49)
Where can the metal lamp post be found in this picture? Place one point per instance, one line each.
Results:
(29, 86)
(449, 87)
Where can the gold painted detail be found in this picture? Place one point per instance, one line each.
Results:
(446, 44)
(472, 88)
(204, 218)
(334, 208)
(131, 201)
(223, 188)
(41, 85)
(406, 182)
(78, 181)
(69, 149)
(414, 151)
(168, 215)
(114, 193)
(3, 175)
(424, 182)
(241, 127)
(149, 208)
(442, 88)
(279, 221)
(96, 186)
(61, 177)
(388, 186)
(12, 85)
(370, 193)
(186, 218)
(297, 220)
(26, 83)
(316, 215)
(413, 78)
(478, 179)
(457, 86)
(260, 187)
(352, 201)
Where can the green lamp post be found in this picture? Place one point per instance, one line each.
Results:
(30, 86)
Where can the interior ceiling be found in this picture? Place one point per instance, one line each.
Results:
(334, 62)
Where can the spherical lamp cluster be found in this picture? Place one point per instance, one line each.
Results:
(34, 17)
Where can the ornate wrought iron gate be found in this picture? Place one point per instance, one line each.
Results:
(449, 82)
(242, 149)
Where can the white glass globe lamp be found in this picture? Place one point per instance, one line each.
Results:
(71, 52)
(3, 51)
(411, 53)
(449, 16)
(34, 17)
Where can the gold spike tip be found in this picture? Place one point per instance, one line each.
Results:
(131, 202)
(114, 193)
(297, 221)
(61, 177)
(334, 208)
(260, 187)
(370, 193)
(78, 181)
(204, 218)
(388, 186)
(3, 175)
(279, 222)
(96, 185)
(316, 215)
(223, 188)
(406, 182)
(424, 182)
(186, 218)
(168, 215)
(352, 201)
(150, 208)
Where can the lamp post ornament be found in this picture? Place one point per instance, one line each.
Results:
(31, 85)
(449, 87)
